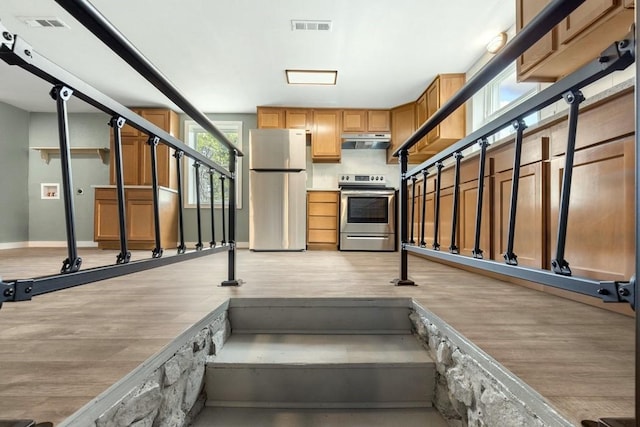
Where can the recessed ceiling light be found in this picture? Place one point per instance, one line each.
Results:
(312, 77)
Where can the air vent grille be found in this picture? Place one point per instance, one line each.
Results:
(306, 25)
(43, 22)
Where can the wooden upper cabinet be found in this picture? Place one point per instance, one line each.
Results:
(298, 118)
(403, 124)
(421, 116)
(136, 152)
(582, 18)
(366, 121)
(526, 10)
(453, 128)
(270, 118)
(325, 140)
(128, 130)
(378, 121)
(354, 121)
(578, 39)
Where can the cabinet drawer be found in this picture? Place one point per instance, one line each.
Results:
(323, 196)
(323, 236)
(323, 223)
(323, 209)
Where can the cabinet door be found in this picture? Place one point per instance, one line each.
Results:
(163, 156)
(270, 118)
(421, 117)
(433, 103)
(106, 223)
(467, 217)
(629, 4)
(526, 10)
(354, 121)
(600, 231)
(378, 121)
(128, 130)
(583, 17)
(140, 224)
(325, 144)
(530, 238)
(130, 161)
(298, 119)
(403, 124)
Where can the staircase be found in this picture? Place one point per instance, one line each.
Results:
(328, 362)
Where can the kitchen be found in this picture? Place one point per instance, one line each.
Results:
(42, 117)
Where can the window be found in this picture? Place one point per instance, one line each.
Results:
(500, 95)
(201, 140)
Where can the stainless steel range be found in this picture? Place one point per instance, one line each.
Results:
(367, 213)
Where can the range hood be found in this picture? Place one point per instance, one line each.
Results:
(366, 140)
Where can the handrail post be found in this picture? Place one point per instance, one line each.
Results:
(413, 208)
(425, 172)
(453, 248)
(179, 156)
(509, 256)
(61, 95)
(231, 280)
(636, 51)
(436, 215)
(212, 243)
(559, 265)
(117, 123)
(153, 145)
(477, 252)
(403, 280)
(224, 233)
(196, 166)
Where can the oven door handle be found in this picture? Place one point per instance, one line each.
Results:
(358, 193)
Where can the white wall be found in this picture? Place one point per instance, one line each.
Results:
(324, 176)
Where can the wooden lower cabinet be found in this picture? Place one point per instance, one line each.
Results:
(599, 242)
(600, 236)
(139, 218)
(322, 219)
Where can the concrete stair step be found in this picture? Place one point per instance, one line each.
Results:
(268, 417)
(338, 371)
(320, 315)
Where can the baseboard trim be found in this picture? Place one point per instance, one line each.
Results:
(14, 245)
(60, 244)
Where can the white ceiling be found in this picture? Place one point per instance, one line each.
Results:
(230, 55)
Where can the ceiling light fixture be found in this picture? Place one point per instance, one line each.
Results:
(497, 43)
(312, 77)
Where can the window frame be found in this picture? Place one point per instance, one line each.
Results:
(485, 103)
(189, 201)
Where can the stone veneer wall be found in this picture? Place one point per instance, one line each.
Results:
(173, 394)
(472, 389)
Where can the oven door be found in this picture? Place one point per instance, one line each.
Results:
(367, 211)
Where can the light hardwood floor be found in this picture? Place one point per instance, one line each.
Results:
(60, 350)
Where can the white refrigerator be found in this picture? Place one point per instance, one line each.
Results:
(277, 190)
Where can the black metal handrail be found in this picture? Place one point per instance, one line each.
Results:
(620, 55)
(15, 51)
(95, 22)
(617, 57)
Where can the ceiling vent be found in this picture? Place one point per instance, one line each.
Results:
(43, 22)
(300, 25)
